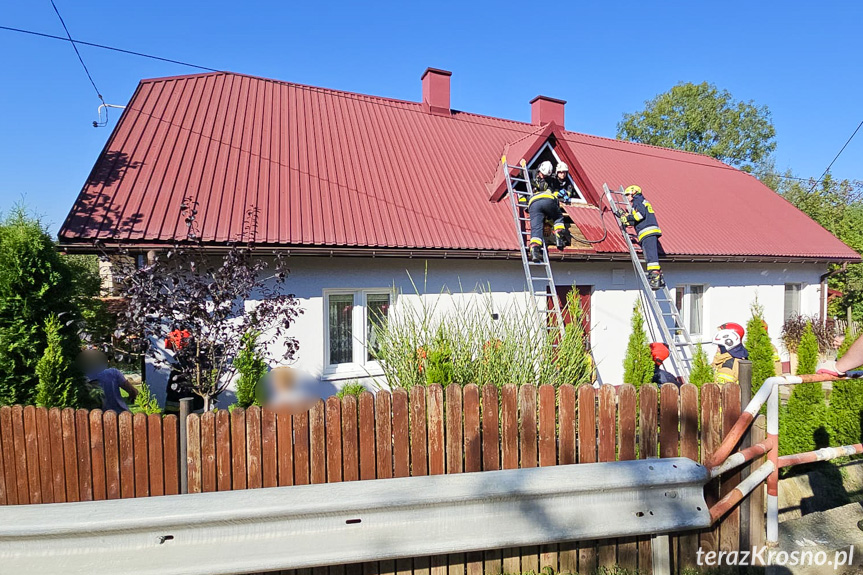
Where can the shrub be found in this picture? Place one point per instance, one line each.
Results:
(761, 350)
(807, 352)
(802, 418)
(845, 412)
(35, 283)
(251, 367)
(59, 383)
(354, 388)
(475, 342)
(638, 363)
(794, 328)
(702, 370)
(574, 363)
(145, 402)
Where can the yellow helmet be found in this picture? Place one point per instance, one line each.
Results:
(632, 190)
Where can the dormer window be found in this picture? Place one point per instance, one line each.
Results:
(546, 152)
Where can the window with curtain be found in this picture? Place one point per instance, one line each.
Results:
(340, 312)
(792, 300)
(696, 309)
(353, 319)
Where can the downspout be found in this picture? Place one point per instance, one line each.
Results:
(823, 280)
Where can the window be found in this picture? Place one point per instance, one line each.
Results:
(792, 300)
(351, 319)
(690, 303)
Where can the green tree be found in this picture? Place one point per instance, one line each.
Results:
(801, 418)
(761, 352)
(704, 119)
(35, 282)
(251, 367)
(845, 412)
(638, 363)
(838, 207)
(59, 383)
(807, 352)
(702, 371)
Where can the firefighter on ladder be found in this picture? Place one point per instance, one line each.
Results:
(643, 219)
(544, 204)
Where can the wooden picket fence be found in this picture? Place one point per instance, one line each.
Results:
(56, 456)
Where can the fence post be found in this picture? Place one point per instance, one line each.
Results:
(745, 378)
(185, 410)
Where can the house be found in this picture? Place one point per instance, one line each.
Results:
(368, 193)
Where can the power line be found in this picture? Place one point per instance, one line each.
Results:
(848, 141)
(104, 47)
(80, 59)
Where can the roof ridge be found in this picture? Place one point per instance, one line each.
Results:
(652, 146)
(344, 93)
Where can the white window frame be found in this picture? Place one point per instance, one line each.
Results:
(546, 146)
(360, 366)
(799, 302)
(687, 308)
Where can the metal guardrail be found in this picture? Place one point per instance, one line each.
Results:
(315, 525)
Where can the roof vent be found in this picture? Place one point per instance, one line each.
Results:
(544, 110)
(436, 91)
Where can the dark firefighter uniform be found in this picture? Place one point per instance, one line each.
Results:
(542, 205)
(647, 229)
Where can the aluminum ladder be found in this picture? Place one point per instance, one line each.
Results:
(663, 312)
(540, 282)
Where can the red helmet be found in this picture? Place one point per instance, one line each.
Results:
(659, 352)
(734, 327)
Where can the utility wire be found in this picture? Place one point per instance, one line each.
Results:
(848, 141)
(104, 47)
(80, 59)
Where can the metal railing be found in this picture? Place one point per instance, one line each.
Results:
(724, 460)
(329, 524)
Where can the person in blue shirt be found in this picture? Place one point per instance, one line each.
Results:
(643, 219)
(94, 365)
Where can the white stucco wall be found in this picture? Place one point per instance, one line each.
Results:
(730, 290)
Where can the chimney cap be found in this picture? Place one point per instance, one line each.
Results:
(436, 71)
(548, 99)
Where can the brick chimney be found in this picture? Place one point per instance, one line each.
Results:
(436, 91)
(544, 110)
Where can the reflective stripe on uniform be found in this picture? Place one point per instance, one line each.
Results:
(558, 227)
(637, 217)
(536, 241)
(651, 267)
(542, 196)
(648, 231)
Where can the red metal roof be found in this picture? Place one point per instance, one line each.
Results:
(337, 169)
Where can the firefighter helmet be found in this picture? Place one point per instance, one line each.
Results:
(545, 168)
(736, 327)
(562, 167)
(632, 190)
(727, 338)
(659, 352)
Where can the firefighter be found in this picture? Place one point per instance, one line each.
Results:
(643, 219)
(565, 190)
(730, 350)
(542, 205)
(659, 353)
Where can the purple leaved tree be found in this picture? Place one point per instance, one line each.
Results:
(201, 303)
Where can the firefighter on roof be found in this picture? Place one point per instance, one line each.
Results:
(542, 205)
(643, 219)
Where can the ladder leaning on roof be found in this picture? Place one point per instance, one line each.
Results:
(661, 307)
(540, 282)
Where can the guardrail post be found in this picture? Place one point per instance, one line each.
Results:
(185, 410)
(745, 379)
(773, 479)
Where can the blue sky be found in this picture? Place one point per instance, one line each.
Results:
(802, 59)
